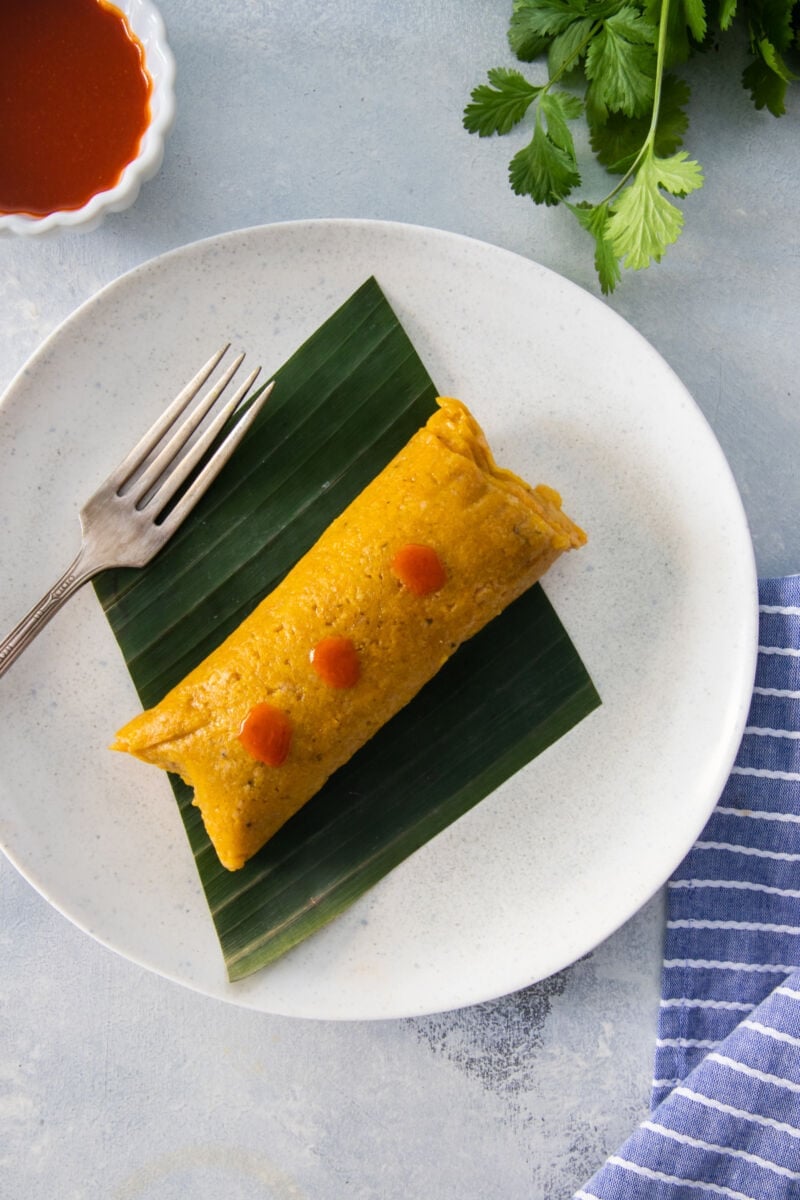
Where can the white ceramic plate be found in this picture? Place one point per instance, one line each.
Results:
(661, 604)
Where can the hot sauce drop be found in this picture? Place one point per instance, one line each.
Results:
(74, 102)
(266, 734)
(419, 568)
(335, 660)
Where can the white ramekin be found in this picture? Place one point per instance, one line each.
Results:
(146, 22)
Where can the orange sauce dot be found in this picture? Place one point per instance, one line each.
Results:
(419, 568)
(266, 734)
(335, 660)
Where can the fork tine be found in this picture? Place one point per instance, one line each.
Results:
(135, 457)
(172, 480)
(183, 431)
(214, 465)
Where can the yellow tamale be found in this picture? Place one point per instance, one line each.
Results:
(435, 547)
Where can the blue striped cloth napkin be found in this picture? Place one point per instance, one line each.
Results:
(725, 1110)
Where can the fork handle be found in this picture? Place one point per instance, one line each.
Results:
(76, 574)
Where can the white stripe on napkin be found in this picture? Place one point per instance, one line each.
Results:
(740, 884)
(740, 1113)
(753, 1072)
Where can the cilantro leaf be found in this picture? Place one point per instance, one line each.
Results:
(621, 62)
(767, 90)
(569, 47)
(546, 169)
(594, 218)
(543, 170)
(535, 22)
(627, 22)
(617, 139)
(726, 13)
(524, 41)
(679, 174)
(644, 222)
(499, 105)
(558, 108)
(772, 20)
(695, 16)
(771, 34)
(774, 60)
(596, 109)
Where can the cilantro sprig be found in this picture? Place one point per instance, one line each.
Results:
(613, 63)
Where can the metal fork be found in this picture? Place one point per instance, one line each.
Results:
(127, 520)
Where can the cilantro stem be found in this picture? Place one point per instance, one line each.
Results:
(661, 54)
(647, 145)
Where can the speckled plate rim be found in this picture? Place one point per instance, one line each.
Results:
(661, 604)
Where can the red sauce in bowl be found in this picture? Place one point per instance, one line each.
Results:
(74, 102)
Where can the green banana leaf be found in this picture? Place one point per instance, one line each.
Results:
(343, 405)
